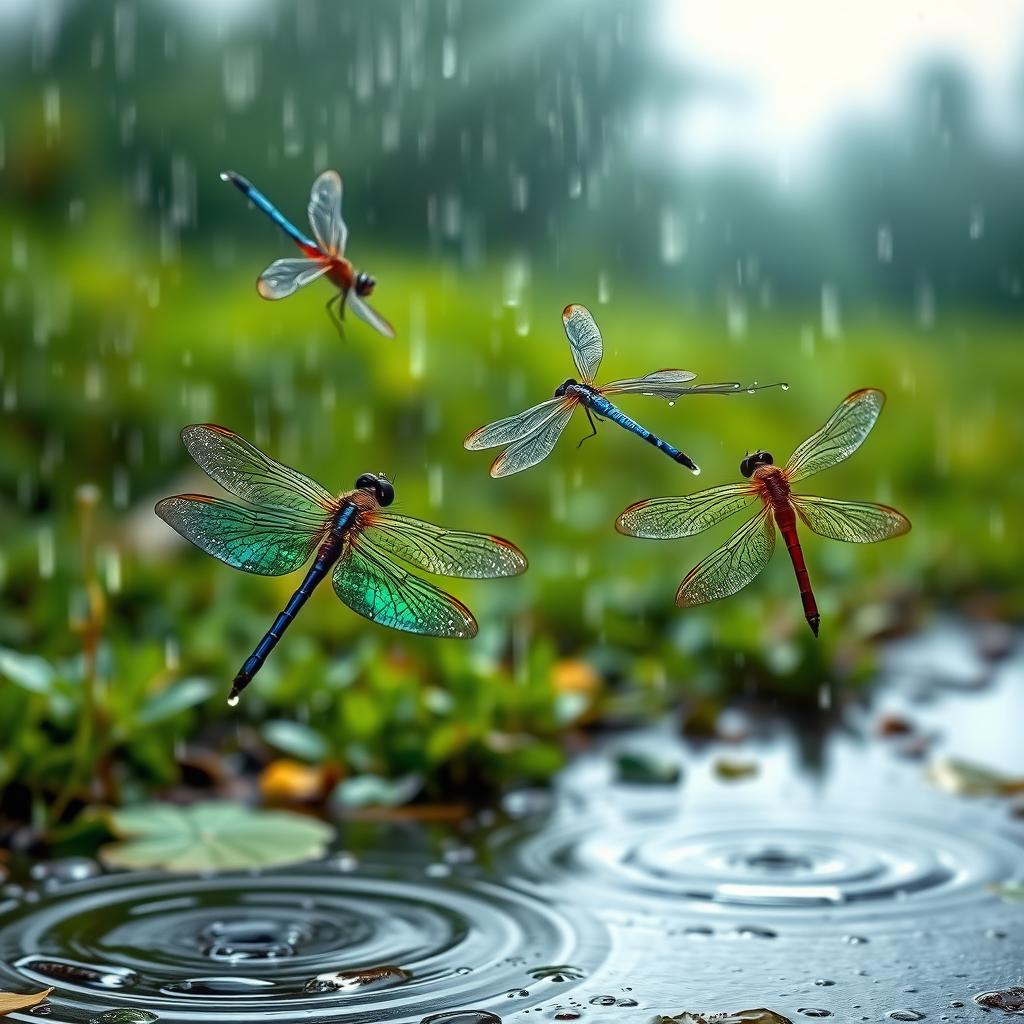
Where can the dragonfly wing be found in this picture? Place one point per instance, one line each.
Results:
(246, 472)
(730, 568)
(840, 437)
(375, 587)
(444, 552)
(689, 514)
(368, 314)
(859, 522)
(535, 447)
(584, 340)
(325, 214)
(667, 384)
(264, 541)
(284, 277)
(514, 428)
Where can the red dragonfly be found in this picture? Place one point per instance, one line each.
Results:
(729, 569)
(324, 257)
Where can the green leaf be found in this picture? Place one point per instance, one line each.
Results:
(174, 699)
(212, 836)
(374, 791)
(296, 739)
(28, 671)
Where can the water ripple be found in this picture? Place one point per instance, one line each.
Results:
(306, 944)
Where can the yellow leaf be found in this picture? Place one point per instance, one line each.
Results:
(11, 1001)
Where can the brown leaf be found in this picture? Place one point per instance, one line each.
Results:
(11, 1001)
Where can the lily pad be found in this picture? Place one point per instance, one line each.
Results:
(212, 836)
(965, 778)
(11, 1002)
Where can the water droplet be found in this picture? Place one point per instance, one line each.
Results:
(233, 701)
(226, 986)
(1009, 999)
(77, 973)
(812, 1012)
(462, 1017)
(369, 979)
(126, 1015)
(907, 1015)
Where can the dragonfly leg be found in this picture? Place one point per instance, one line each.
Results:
(335, 316)
(593, 428)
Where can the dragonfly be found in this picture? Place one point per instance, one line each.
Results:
(735, 564)
(288, 518)
(324, 254)
(530, 436)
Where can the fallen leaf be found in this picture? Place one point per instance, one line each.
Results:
(10, 1002)
(733, 770)
(1011, 892)
(212, 836)
(966, 779)
(292, 781)
(641, 768)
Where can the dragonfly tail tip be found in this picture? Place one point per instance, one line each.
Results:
(814, 621)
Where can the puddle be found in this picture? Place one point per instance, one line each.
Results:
(854, 892)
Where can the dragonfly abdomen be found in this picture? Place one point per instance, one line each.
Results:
(601, 405)
(326, 556)
(785, 519)
(257, 198)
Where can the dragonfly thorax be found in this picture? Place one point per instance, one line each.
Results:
(364, 284)
(753, 462)
(379, 485)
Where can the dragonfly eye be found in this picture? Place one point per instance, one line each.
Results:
(366, 482)
(385, 493)
(751, 462)
(364, 283)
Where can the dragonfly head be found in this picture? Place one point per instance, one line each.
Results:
(752, 462)
(380, 486)
(364, 283)
(562, 388)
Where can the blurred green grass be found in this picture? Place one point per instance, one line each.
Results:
(109, 348)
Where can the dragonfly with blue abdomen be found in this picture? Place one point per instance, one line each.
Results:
(729, 569)
(531, 435)
(289, 517)
(324, 256)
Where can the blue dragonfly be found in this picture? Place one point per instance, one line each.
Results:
(530, 436)
(289, 516)
(324, 254)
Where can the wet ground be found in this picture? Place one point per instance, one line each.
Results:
(835, 881)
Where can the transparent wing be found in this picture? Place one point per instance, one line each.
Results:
(444, 552)
(584, 340)
(534, 448)
(246, 472)
(859, 522)
(733, 565)
(375, 587)
(667, 384)
(368, 314)
(515, 428)
(325, 213)
(689, 514)
(841, 436)
(283, 277)
(268, 542)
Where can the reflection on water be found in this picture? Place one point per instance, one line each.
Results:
(857, 892)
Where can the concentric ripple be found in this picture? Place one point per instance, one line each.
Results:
(837, 865)
(234, 948)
